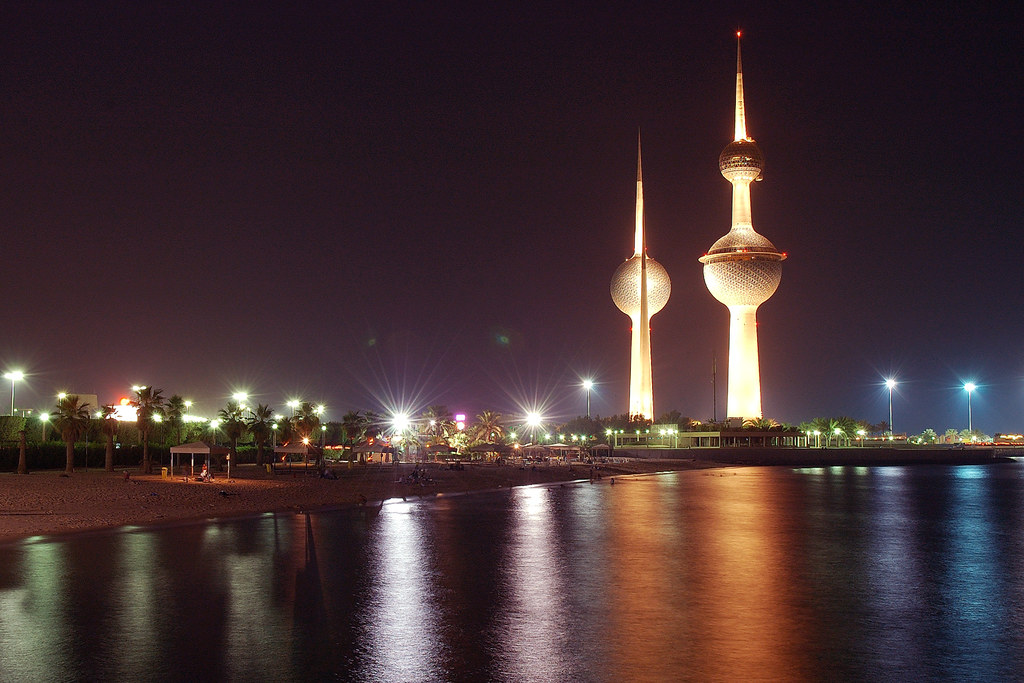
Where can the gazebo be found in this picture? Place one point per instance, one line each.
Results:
(200, 447)
(300, 448)
(498, 449)
(386, 451)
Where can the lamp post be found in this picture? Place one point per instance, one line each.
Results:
(15, 376)
(323, 435)
(969, 388)
(890, 384)
(588, 384)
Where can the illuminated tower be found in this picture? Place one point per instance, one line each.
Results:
(640, 288)
(742, 269)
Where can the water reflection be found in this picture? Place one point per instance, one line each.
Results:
(534, 620)
(400, 623)
(844, 573)
(32, 623)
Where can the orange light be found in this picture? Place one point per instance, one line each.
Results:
(738, 34)
(125, 401)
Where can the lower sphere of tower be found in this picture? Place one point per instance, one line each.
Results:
(741, 160)
(743, 283)
(626, 286)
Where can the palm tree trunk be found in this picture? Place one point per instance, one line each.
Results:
(22, 457)
(70, 467)
(109, 461)
(147, 466)
(259, 453)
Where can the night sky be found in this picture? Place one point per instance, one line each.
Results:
(380, 205)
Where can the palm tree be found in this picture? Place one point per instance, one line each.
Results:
(149, 404)
(437, 423)
(259, 426)
(488, 427)
(176, 414)
(232, 424)
(22, 456)
(109, 426)
(306, 421)
(762, 424)
(374, 423)
(353, 425)
(72, 419)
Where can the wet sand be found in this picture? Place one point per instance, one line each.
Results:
(47, 503)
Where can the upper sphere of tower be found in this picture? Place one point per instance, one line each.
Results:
(741, 160)
(626, 286)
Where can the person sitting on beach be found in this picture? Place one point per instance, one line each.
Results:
(205, 474)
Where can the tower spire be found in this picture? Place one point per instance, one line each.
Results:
(741, 117)
(640, 242)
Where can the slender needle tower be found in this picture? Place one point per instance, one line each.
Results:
(743, 268)
(640, 288)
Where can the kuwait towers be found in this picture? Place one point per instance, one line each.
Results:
(640, 288)
(742, 269)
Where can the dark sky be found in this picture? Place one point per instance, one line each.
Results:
(382, 204)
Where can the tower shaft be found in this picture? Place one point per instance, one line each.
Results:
(744, 398)
(741, 216)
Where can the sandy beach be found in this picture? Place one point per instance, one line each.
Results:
(48, 503)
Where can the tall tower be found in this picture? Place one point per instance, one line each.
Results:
(743, 268)
(640, 288)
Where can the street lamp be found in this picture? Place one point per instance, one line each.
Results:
(890, 384)
(15, 376)
(969, 388)
(533, 420)
(323, 434)
(588, 384)
(273, 428)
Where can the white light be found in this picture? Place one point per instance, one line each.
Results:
(16, 376)
(970, 386)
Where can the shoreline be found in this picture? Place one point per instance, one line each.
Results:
(47, 505)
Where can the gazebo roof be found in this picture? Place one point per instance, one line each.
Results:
(298, 447)
(200, 447)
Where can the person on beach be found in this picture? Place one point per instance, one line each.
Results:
(205, 474)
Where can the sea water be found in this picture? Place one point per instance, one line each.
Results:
(888, 573)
